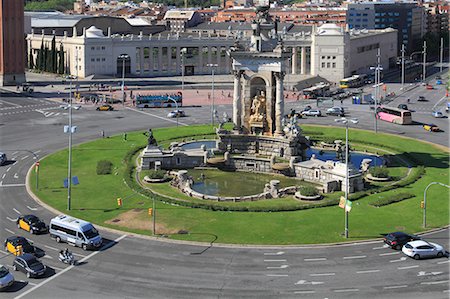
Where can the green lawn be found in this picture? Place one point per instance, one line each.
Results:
(94, 199)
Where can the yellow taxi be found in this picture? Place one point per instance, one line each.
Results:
(105, 108)
(18, 245)
(31, 224)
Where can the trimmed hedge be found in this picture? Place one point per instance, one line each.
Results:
(308, 191)
(391, 199)
(104, 167)
(379, 172)
(155, 174)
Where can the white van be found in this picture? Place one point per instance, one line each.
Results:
(74, 231)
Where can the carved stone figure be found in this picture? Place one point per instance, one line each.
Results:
(258, 109)
(150, 139)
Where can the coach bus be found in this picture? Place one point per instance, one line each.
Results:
(394, 115)
(316, 91)
(159, 101)
(353, 81)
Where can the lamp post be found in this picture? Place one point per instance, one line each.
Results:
(403, 65)
(425, 200)
(441, 55)
(377, 85)
(182, 52)
(424, 70)
(123, 57)
(346, 121)
(176, 106)
(212, 65)
(69, 129)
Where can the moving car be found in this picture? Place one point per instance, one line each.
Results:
(176, 113)
(312, 112)
(105, 108)
(14, 243)
(431, 128)
(3, 158)
(396, 240)
(74, 231)
(338, 111)
(422, 99)
(422, 249)
(29, 264)
(6, 278)
(437, 114)
(31, 224)
(403, 107)
(429, 87)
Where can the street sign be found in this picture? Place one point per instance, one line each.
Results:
(348, 206)
(342, 202)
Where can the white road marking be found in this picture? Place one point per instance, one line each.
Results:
(3, 176)
(16, 176)
(47, 257)
(435, 282)
(277, 275)
(355, 257)
(446, 291)
(381, 247)
(12, 104)
(399, 260)
(322, 274)
(388, 253)
(24, 157)
(274, 260)
(346, 290)
(280, 267)
(423, 273)
(57, 268)
(12, 220)
(315, 259)
(15, 162)
(9, 231)
(11, 185)
(304, 292)
(408, 267)
(33, 209)
(395, 287)
(9, 168)
(14, 153)
(50, 247)
(27, 282)
(37, 152)
(309, 282)
(367, 271)
(77, 254)
(157, 116)
(17, 211)
(274, 253)
(64, 271)
(444, 262)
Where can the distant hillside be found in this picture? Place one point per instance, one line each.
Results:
(61, 5)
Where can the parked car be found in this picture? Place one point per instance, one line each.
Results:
(13, 243)
(293, 113)
(423, 249)
(29, 264)
(6, 278)
(431, 128)
(31, 224)
(176, 113)
(396, 240)
(3, 158)
(105, 108)
(429, 87)
(403, 106)
(438, 82)
(307, 108)
(437, 114)
(312, 112)
(338, 111)
(422, 99)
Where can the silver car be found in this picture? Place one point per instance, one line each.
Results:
(422, 249)
(3, 158)
(6, 278)
(312, 112)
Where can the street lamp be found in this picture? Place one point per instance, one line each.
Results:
(425, 200)
(424, 70)
(377, 85)
(346, 121)
(176, 106)
(70, 129)
(182, 52)
(212, 65)
(123, 57)
(403, 66)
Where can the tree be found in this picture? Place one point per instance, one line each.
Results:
(40, 58)
(31, 60)
(47, 62)
(61, 69)
(53, 57)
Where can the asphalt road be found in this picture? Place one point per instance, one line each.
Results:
(131, 267)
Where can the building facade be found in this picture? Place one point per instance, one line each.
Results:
(12, 45)
(407, 17)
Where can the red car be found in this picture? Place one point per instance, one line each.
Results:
(429, 87)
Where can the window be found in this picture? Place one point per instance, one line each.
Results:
(98, 59)
(63, 229)
(323, 64)
(92, 59)
(92, 48)
(103, 48)
(334, 65)
(328, 65)
(103, 59)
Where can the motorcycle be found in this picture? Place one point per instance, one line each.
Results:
(66, 258)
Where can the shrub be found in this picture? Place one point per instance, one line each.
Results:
(329, 140)
(308, 191)
(390, 199)
(156, 174)
(379, 172)
(104, 167)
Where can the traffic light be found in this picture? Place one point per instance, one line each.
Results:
(119, 202)
(422, 204)
(150, 211)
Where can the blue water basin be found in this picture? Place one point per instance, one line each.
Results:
(198, 144)
(355, 158)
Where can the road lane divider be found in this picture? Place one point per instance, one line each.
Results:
(408, 267)
(322, 274)
(395, 287)
(367, 271)
(275, 260)
(355, 257)
(315, 259)
(274, 253)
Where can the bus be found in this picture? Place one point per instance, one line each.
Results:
(160, 101)
(317, 90)
(353, 81)
(394, 115)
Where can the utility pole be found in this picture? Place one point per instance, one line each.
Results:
(403, 65)
(69, 166)
(377, 87)
(424, 60)
(441, 54)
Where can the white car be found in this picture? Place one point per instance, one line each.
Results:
(422, 249)
(3, 158)
(176, 113)
(6, 278)
(312, 112)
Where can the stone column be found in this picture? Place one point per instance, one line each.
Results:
(294, 60)
(200, 60)
(279, 103)
(237, 103)
(160, 61)
(303, 61)
(178, 59)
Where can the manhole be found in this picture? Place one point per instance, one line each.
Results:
(115, 220)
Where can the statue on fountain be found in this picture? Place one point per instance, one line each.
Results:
(258, 109)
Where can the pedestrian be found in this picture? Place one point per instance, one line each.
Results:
(102, 133)
(125, 136)
(209, 96)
